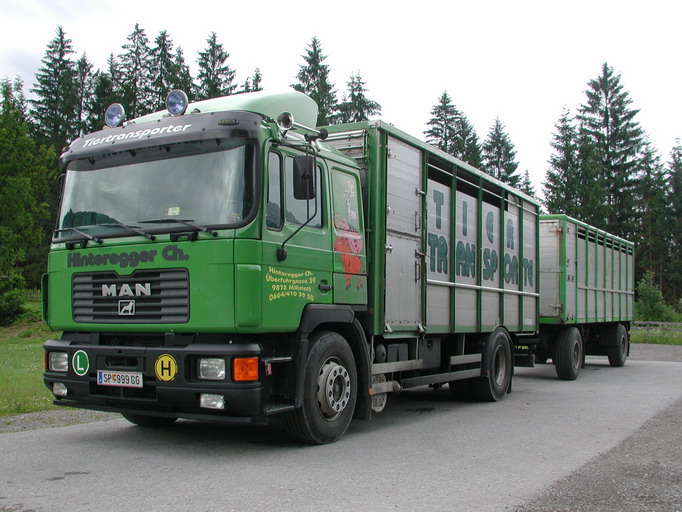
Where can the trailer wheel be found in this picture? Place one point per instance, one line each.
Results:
(569, 353)
(329, 391)
(619, 353)
(149, 421)
(498, 364)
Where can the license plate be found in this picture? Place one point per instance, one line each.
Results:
(119, 379)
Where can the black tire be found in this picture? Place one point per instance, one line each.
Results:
(618, 353)
(569, 353)
(149, 421)
(498, 363)
(329, 391)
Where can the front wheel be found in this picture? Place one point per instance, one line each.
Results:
(329, 392)
(498, 364)
(569, 354)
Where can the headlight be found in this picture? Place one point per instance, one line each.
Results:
(212, 368)
(58, 362)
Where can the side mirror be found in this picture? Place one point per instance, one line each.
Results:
(304, 177)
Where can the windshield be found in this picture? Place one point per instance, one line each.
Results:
(159, 189)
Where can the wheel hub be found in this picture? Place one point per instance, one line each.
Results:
(333, 389)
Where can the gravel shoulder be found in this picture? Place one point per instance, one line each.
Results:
(49, 419)
(642, 473)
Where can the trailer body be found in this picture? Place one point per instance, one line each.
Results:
(586, 274)
(231, 264)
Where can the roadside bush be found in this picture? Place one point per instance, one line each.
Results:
(12, 297)
(650, 304)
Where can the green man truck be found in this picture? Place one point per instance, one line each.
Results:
(226, 260)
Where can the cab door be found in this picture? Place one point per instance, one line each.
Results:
(297, 261)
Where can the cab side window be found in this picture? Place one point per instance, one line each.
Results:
(298, 210)
(273, 210)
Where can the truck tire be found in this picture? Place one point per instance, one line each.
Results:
(618, 353)
(329, 391)
(149, 421)
(497, 361)
(569, 353)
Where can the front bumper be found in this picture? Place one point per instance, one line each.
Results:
(165, 392)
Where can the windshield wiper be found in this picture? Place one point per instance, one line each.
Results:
(186, 222)
(87, 237)
(132, 229)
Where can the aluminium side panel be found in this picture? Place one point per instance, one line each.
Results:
(438, 258)
(403, 298)
(570, 297)
(529, 273)
(551, 274)
(466, 242)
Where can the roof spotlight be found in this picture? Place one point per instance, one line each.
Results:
(114, 114)
(177, 102)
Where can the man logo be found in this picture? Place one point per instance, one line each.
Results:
(126, 307)
(126, 290)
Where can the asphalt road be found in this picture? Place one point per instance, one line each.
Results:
(609, 441)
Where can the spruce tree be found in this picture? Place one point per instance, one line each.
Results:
(356, 106)
(182, 77)
(499, 156)
(526, 185)
(105, 90)
(83, 86)
(590, 195)
(313, 80)
(163, 69)
(53, 109)
(442, 124)
(466, 146)
(608, 121)
(451, 131)
(653, 242)
(27, 200)
(253, 83)
(674, 202)
(135, 68)
(561, 186)
(215, 76)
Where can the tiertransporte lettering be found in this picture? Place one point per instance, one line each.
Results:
(137, 134)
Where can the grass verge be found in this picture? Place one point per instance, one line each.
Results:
(656, 337)
(21, 365)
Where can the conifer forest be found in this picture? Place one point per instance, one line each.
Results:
(603, 168)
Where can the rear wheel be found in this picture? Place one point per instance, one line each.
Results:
(329, 392)
(498, 364)
(149, 421)
(569, 354)
(618, 353)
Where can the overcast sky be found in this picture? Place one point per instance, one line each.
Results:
(521, 61)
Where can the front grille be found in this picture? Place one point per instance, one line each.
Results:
(146, 296)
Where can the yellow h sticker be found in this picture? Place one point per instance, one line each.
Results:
(165, 367)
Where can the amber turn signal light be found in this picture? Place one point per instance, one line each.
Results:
(245, 369)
